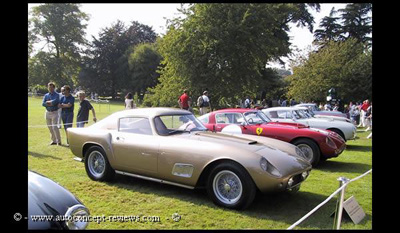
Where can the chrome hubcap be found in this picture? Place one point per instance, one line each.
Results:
(227, 187)
(308, 152)
(96, 164)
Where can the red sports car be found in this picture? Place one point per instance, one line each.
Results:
(316, 144)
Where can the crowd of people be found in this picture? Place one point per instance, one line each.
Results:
(61, 106)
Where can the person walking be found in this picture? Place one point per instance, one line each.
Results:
(50, 102)
(67, 102)
(184, 100)
(204, 103)
(129, 101)
(363, 111)
(83, 112)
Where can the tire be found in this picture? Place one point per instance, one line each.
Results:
(310, 149)
(97, 166)
(239, 190)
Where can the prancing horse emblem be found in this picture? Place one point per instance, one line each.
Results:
(259, 131)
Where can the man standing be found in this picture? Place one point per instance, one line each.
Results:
(205, 106)
(83, 112)
(67, 105)
(363, 111)
(183, 100)
(50, 102)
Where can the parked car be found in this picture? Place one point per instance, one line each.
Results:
(51, 206)
(311, 114)
(172, 146)
(292, 114)
(317, 111)
(315, 143)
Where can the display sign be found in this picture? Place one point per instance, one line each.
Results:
(354, 210)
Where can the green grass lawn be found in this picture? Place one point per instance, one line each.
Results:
(127, 196)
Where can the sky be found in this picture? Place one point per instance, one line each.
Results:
(155, 15)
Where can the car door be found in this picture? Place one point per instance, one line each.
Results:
(135, 148)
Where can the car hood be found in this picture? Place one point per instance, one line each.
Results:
(279, 153)
(45, 197)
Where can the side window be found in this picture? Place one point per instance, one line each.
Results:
(135, 125)
(283, 114)
(221, 118)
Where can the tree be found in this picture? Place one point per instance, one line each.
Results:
(357, 22)
(61, 27)
(223, 48)
(330, 29)
(143, 65)
(344, 65)
(354, 21)
(106, 67)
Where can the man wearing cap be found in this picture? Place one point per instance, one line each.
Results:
(50, 102)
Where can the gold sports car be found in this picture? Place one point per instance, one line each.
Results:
(172, 146)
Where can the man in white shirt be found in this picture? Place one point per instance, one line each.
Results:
(206, 106)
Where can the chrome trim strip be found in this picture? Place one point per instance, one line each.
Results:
(153, 179)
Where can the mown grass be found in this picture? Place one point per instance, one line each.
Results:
(130, 196)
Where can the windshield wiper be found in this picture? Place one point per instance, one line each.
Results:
(177, 131)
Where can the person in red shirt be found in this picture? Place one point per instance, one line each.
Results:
(183, 101)
(364, 108)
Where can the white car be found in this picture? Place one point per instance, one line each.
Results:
(311, 114)
(317, 111)
(294, 114)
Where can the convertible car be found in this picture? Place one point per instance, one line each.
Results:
(316, 144)
(61, 208)
(295, 115)
(172, 146)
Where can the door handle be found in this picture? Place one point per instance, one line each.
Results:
(120, 138)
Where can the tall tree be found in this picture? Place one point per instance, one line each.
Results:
(106, 68)
(330, 29)
(224, 47)
(61, 27)
(357, 22)
(143, 66)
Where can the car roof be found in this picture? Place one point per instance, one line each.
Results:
(281, 108)
(240, 110)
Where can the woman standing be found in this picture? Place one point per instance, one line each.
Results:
(129, 101)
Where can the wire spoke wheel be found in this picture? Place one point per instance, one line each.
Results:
(96, 164)
(227, 187)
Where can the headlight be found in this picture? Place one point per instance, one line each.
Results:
(268, 167)
(330, 143)
(77, 217)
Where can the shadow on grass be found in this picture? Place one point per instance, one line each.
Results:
(358, 148)
(281, 207)
(335, 166)
(42, 156)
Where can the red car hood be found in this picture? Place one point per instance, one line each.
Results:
(286, 124)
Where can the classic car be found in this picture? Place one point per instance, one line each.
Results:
(51, 206)
(318, 112)
(310, 114)
(292, 114)
(172, 146)
(315, 143)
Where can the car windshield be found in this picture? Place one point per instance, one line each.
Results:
(306, 113)
(298, 114)
(171, 124)
(256, 118)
